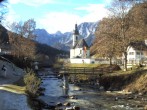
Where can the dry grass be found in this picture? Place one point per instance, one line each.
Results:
(132, 80)
(138, 84)
(83, 65)
(13, 88)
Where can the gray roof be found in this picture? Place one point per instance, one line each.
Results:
(82, 43)
(140, 45)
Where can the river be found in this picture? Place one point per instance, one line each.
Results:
(87, 98)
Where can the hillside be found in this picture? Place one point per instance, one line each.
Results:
(3, 36)
(20, 48)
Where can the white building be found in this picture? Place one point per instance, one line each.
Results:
(137, 53)
(80, 51)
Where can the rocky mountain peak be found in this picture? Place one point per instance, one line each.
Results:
(58, 40)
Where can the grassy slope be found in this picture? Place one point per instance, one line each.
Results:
(132, 80)
(138, 82)
(83, 65)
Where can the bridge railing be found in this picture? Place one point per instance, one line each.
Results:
(81, 70)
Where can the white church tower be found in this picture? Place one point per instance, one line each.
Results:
(80, 51)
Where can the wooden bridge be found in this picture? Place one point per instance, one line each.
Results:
(82, 70)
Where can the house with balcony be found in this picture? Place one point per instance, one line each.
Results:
(137, 53)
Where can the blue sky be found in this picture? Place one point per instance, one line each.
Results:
(54, 15)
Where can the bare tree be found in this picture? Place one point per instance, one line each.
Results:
(24, 29)
(29, 27)
(104, 44)
(20, 39)
(3, 9)
(124, 26)
(129, 28)
(22, 47)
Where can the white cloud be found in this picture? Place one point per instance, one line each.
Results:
(95, 12)
(14, 1)
(64, 21)
(10, 17)
(31, 2)
(108, 1)
(55, 21)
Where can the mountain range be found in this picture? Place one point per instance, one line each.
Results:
(63, 41)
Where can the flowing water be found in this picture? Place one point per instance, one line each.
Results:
(87, 98)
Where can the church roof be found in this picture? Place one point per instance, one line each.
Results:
(82, 43)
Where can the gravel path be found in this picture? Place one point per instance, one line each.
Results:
(12, 101)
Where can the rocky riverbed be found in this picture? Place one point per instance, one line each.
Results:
(86, 98)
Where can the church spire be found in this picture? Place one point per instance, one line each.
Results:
(76, 32)
(75, 35)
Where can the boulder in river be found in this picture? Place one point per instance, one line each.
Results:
(59, 104)
(69, 108)
(76, 108)
(67, 104)
(73, 97)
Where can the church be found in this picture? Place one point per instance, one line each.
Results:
(80, 51)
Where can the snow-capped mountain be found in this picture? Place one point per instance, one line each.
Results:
(63, 41)
(87, 30)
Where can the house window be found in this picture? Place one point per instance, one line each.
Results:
(138, 53)
(131, 53)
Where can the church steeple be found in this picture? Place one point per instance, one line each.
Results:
(75, 35)
(76, 31)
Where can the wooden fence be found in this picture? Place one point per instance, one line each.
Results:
(81, 70)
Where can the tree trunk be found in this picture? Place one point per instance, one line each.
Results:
(125, 61)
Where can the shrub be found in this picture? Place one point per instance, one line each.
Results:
(32, 82)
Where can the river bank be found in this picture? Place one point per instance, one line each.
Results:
(11, 100)
(130, 81)
(88, 98)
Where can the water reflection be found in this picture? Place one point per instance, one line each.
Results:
(53, 86)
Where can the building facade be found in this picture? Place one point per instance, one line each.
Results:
(80, 51)
(137, 53)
